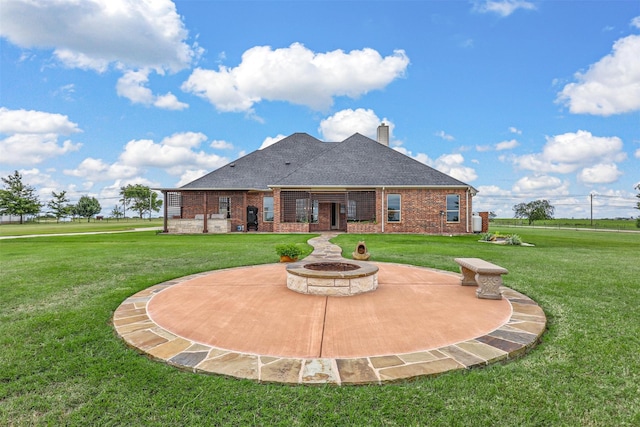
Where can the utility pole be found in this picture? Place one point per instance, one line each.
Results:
(591, 197)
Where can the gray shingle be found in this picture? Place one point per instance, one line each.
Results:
(302, 160)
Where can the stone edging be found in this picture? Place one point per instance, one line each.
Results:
(133, 324)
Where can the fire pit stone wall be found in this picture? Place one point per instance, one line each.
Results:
(332, 283)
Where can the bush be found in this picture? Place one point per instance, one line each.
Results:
(509, 239)
(288, 249)
(514, 239)
(487, 237)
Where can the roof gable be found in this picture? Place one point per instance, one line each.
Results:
(261, 168)
(301, 160)
(361, 161)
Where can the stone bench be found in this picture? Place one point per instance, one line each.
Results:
(487, 276)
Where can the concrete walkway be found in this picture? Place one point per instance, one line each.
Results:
(81, 233)
(245, 323)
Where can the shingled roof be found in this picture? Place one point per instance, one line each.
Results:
(301, 160)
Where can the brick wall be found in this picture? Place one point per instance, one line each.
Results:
(363, 227)
(420, 212)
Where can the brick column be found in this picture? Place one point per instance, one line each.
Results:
(485, 221)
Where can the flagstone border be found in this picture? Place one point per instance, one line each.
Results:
(513, 339)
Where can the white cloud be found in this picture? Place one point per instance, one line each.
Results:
(569, 152)
(82, 61)
(174, 154)
(65, 92)
(507, 145)
(221, 145)
(500, 146)
(132, 85)
(637, 153)
(492, 190)
(503, 7)
(91, 34)
(297, 75)
(35, 122)
(452, 164)
(421, 157)
(169, 101)
(271, 140)
(345, 123)
(35, 177)
(515, 130)
(185, 139)
(540, 186)
(191, 175)
(33, 136)
(610, 86)
(445, 136)
(97, 170)
(603, 173)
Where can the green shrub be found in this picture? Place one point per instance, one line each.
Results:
(288, 249)
(514, 239)
(487, 237)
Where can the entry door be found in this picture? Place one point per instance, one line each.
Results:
(335, 216)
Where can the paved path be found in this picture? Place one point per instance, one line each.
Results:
(27, 236)
(245, 323)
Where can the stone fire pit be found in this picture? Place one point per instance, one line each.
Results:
(332, 278)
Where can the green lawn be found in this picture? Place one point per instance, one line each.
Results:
(598, 224)
(53, 227)
(61, 363)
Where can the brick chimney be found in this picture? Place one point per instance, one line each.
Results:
(383, 134)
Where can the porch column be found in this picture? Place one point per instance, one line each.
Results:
(276, 210)
(166, 211)
(204, 229)
(244, 212)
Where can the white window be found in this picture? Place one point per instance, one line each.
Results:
(351, 210)
(225, 206)
(306, 210)
(267, 209)
(393, 208)
(453, 208)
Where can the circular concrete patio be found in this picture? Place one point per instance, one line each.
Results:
(245, 323)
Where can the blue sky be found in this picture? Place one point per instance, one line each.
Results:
(524, 100)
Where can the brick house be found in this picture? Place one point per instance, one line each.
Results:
(301, 184)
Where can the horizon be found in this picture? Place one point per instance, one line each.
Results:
(523, 100)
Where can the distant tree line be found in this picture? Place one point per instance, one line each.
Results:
(20, 199)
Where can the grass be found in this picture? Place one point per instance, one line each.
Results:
(52, 227)
(61, 363)
(598, 224)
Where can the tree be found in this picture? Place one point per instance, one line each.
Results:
(534, 211)
(140, 198)
(116, 212)
(58, 205)
(638, 205)
(87, 207)
(17, 198)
